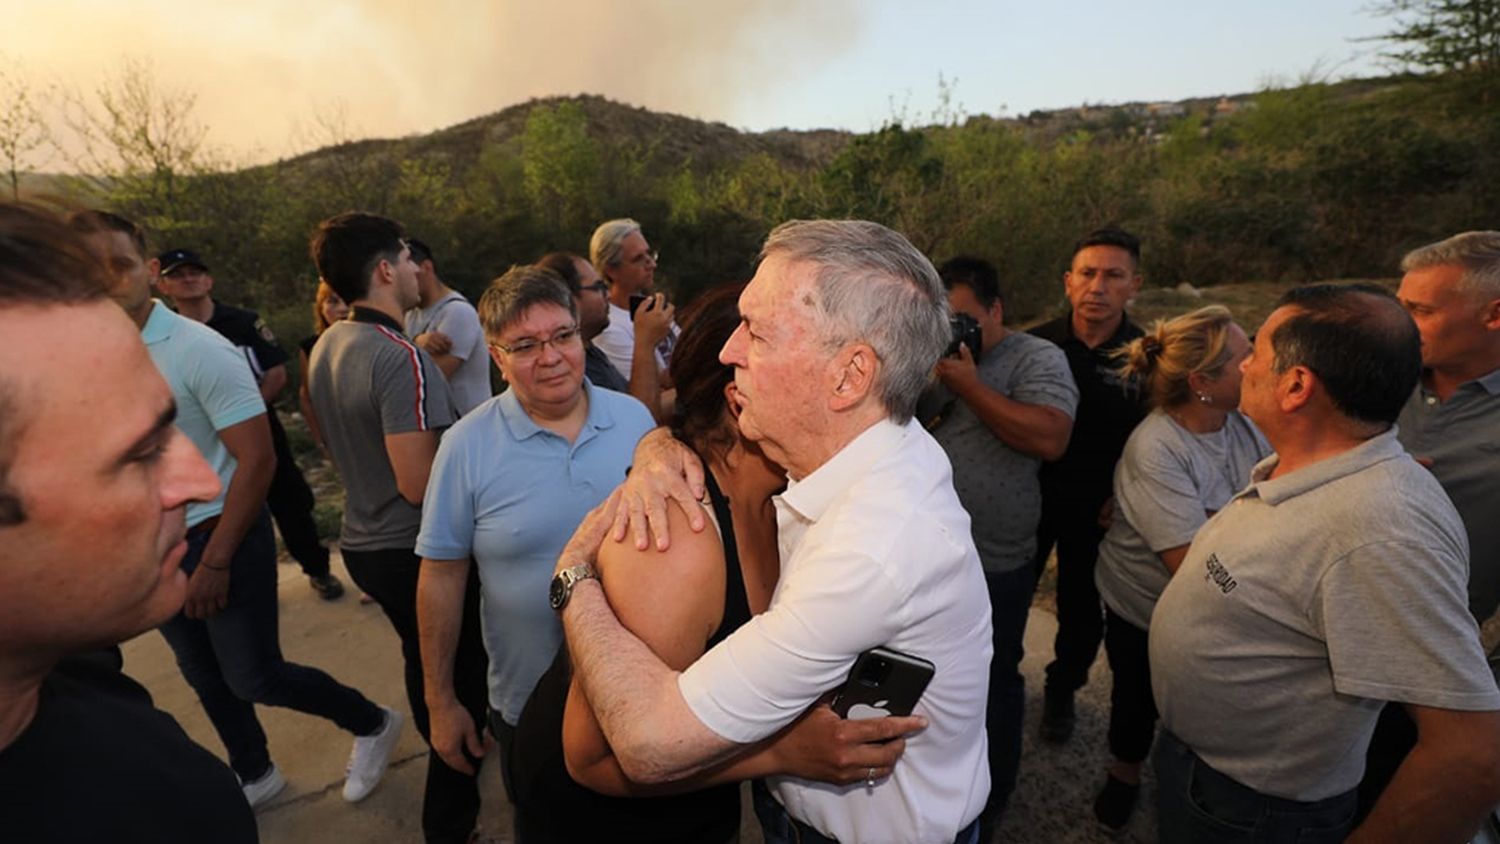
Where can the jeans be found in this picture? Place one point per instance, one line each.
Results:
(1198, 805)
(1074, 527)
(233, 659)
(1010, 602)
(291, 502)
(778, 827)
(1132, 706)
(450, 802)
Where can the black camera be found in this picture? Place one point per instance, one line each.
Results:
(966, 332)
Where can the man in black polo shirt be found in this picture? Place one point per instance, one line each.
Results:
(1104, 275)
(94, 483)
(186, 281)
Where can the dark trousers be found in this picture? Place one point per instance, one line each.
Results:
(1198, 805)
(450, 803)
(778, 827)
(233, 659)
(1010, 602)
(291, 502)
(1073, 526)
(1132, 707)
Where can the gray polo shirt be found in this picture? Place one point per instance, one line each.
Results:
(1304, 605)
(1167, 482)
(1462, 438)
(997, 484)
(368, 381)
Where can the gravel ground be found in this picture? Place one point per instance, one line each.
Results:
(1054, 796)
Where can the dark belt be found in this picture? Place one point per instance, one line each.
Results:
(204, 527)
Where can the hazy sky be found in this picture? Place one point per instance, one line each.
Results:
(263, 70)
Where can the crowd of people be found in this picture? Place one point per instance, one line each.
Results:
(635, 576)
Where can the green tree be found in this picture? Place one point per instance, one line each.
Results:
(1445, 35)
(560, 164)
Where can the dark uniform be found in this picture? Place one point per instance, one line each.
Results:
(289, 497)
(1074, 489)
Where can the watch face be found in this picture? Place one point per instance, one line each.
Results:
(558, 593)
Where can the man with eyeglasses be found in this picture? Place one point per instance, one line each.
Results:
(591, 293)
(381, 401)
(509, 484)
(638, 341)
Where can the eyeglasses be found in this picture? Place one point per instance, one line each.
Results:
(600, 286)
(642, 258)
(527, 348)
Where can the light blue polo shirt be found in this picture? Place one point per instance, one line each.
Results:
(510, 493)
(213, 387)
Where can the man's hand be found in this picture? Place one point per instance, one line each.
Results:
(824, 747)
(653, 320)
(664, 469)
(434, 342)
(956, 371)
(208, 590)
(453, 732)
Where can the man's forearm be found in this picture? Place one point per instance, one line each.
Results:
(440, 609)
(1033, 429)
(1434, 796)
(634, 695)
(272, 383)
(243, 501)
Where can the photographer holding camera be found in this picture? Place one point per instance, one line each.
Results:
(1005, 403)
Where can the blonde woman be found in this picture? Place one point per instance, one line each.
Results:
(1185, 460)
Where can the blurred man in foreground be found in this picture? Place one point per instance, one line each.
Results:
(94, 482)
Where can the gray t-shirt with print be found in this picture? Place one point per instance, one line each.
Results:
(1167, 482)
(1303, 606)
(996, 484)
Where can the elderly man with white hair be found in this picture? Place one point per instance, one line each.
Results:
(840, 329)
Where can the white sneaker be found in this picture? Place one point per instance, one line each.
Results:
(259, 792)
(370, 756)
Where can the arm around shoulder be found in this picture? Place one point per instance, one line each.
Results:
(671, 601)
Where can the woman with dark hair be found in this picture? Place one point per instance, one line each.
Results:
(1185, 460)
(680, 603)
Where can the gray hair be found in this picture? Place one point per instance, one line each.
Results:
(873, 286)
(510, 296)
(608, 240)
(1477, 252)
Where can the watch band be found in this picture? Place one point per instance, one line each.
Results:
(565, 580)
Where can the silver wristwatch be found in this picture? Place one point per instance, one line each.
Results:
(564, 581)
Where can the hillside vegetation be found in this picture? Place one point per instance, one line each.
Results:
(1313, 181)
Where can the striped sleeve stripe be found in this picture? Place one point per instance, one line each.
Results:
(417, 373)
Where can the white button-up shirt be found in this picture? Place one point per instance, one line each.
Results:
(876, 551)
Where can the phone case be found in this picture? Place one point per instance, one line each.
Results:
(883, 682)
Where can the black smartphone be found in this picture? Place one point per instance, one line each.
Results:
(883, 682)
(635, 302)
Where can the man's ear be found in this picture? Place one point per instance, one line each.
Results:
(732, 400)
(855, 368)
(153, 266)
(1491, 314)
(1296, 387)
